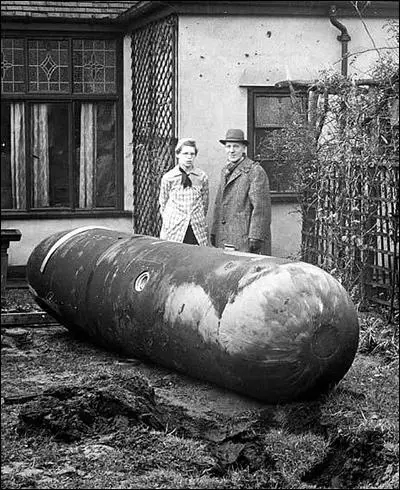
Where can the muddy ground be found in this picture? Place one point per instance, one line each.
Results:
(76, 416)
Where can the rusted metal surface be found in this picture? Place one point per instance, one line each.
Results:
(265, 327)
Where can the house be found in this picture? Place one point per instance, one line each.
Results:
(95, 95)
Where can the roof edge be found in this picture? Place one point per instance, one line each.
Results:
(223, 7)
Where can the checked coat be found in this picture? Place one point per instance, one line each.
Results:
(243, 208)
(181, 206)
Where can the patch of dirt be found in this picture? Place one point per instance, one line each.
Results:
(18, 300)
(70, 412)
(351, 461)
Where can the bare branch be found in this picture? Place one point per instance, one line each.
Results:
(365, 27)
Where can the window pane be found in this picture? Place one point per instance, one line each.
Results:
(94, 66)
(271, 113)
(280, 173)
(95, 136)
(49, 150)
(48, 66)
(12, 66)
(6, 186)
(272, 110)
(13, 164)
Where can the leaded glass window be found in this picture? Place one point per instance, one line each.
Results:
(48, 66)
(12, 66)
(60, 109)
(94, 66)
(83, 66)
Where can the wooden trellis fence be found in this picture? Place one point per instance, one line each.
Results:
(153, 89)
(351, 219)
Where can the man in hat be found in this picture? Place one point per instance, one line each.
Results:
(242, 210)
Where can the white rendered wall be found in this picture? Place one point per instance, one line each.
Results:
(128, 126)
(34, 231)
(219, 55)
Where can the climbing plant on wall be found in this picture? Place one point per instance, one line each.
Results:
(343, 155)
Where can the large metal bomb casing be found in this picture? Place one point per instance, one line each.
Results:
(265, 327)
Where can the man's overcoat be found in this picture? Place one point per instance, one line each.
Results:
(243, 208)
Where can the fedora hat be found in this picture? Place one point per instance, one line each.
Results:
(234, 136)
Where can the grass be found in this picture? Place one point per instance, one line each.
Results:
(132, 437)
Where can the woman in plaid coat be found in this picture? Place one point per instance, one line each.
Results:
(242, 211)
(184, 198)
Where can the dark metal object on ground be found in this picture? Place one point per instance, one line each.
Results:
(265, 327)
(33, 319)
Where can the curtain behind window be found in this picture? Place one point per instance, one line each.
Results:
(18, 174)
(87, 158)
(40, 154)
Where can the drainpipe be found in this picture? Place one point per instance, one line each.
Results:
(344, 37)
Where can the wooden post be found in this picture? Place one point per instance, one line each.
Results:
(7, 236)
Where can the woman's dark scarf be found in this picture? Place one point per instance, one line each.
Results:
(185, 181)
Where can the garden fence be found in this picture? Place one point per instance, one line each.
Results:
(351, 220)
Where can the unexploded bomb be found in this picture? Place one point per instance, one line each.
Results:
(269, 328)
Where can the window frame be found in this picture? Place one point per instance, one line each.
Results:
(252, 93)
(70, 98)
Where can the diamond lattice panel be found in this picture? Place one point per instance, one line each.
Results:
(153, 87)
